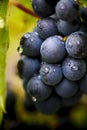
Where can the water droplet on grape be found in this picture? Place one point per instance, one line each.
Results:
(39, 77)
(34, 99)
(69, 63)
(42, 63)
(70, 45)
(36, 33)
(32, 39)
(78, 43)
(46, 70)
(2, 23)
(20, 49)
(60, 37)
(27, 35)
(54, 70)
(40, 27)
(62, 6)
(74, 67)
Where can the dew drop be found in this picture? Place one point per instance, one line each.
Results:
(54, 70)
(62, 6)
(70, 45)
(2, 23)
(32, 39)
(40, 27)
(27, 35)
(39, 77)
(69, 63)
(42, 63)
(20, 49)
(74, 67)
(78, 43)
(34, 99)
(46, 70)
(36, 33)
(60, 37)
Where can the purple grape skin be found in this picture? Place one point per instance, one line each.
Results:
(66, 88)
(73, 69)
(46, 27)
(49, 106)
(76, 45)
(67, 10)
(51, 74)
(53, 49)
(37, 89)
(42, 8)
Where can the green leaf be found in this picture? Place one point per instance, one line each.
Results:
(82, 2)
(3, 50)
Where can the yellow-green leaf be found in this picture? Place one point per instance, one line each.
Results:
(3, 51)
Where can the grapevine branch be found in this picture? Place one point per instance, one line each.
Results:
(23, 8)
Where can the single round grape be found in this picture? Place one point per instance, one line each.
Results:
(53, 49)
(27, 67)
(51, 74)
(42, 8)
(67, 10)
(46, 27)
(66, 28)
(76, 44)
(37, 89)
(30, 44)
(66, 88)
(73, 69)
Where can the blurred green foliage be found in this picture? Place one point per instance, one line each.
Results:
(3, 49)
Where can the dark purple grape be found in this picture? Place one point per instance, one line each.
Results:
(30, 44)
(46, 27)
(67, 10)
(37, 89)
(76, 44)
(27, 67)
(73, 69)
(53, 49)
(51, 74)
(66, 88)
(66, 28)
(42, 8)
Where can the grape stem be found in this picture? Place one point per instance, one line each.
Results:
(23, 8)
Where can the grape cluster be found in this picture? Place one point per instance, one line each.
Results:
(53, 57)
